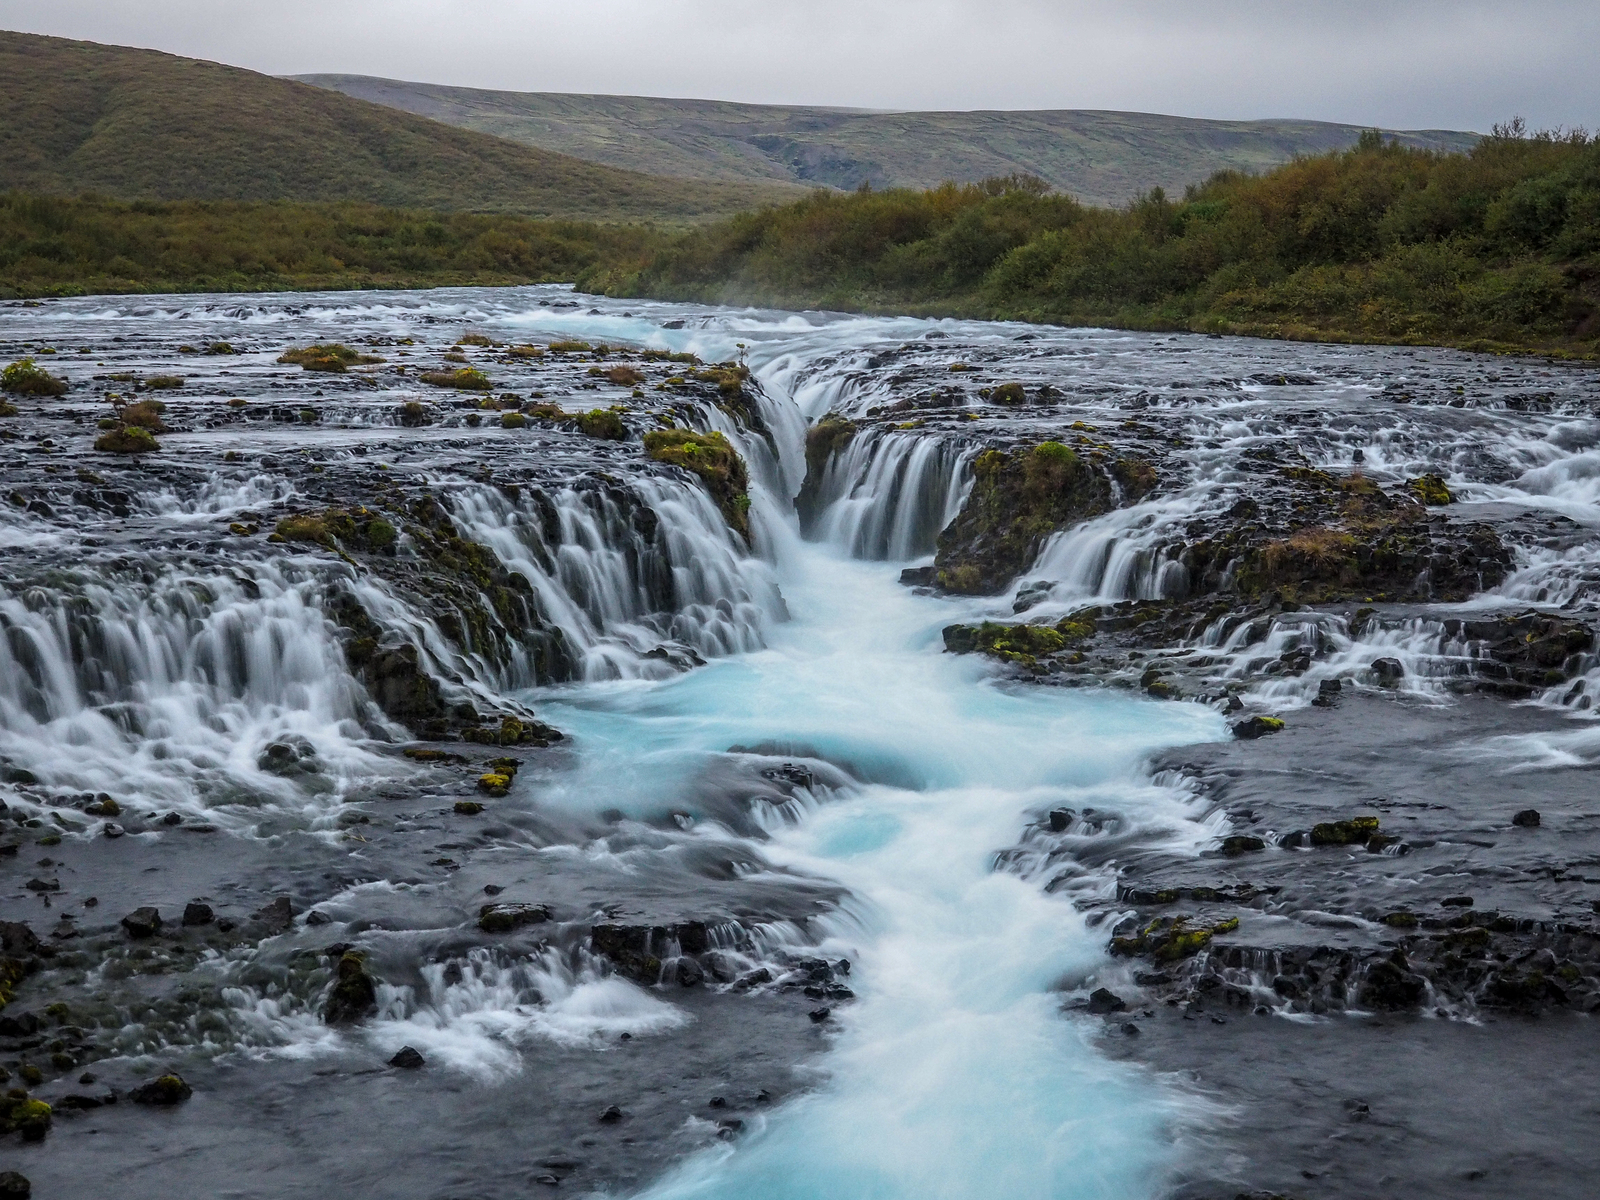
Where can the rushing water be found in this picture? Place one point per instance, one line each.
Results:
(140, 670)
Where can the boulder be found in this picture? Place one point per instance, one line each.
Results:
(166, 1090)
(196, 913)
(407, 1058)
(142, 922)
(354, 996)
(503, 918)
(1104, 1000)
(1257, 727)
(1528, 818)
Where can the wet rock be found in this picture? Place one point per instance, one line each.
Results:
(317, 917)
(1242, 844)
(1528, 818)
(1257, 727)
(277, 916)
(196, 913)
(113, 830)
(610, 1115)
(471, 808)
(168, 1089)
(819, 1015)
(142, 922)
(14, 1186)
(1129, 1029)
(637, 950)
(355, 994)
(289, 758)
(29, 1117)
(690, 973)
(18, 1025)
(1104, 1000)
(1388, 671)
(1457, 902)
(1390, 986)
(503, 918)
(1355, 831)
(407, 1058)
(1060, 820)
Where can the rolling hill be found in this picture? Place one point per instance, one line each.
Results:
(142, 125)
(1100, 157)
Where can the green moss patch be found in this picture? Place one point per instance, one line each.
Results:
(712, 457)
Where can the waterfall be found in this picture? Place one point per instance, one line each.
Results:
(888, 494)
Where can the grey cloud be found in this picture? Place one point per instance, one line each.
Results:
(1398, 64)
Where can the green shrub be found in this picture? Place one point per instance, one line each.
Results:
(145, 415)
(26, 378)
(163, 383)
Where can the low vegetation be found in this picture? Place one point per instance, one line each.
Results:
(55, 246)
(1496, 248)
(467, 379)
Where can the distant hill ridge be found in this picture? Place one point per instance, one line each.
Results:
(1101, 157)
(143, 125)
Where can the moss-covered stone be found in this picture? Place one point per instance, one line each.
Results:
(712, 457)
(1018, 499)
(467, 379)
(1430, 489)
(332, 357)
(603, 423)
(127, 439)
(27, 378)
(355, 994)
(163, 1091)
(1353, 832)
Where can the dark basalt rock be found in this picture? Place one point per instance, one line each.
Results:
(1257, 727)
(276, 916)
(637, 950)
(1242, 844)
(167, 1090)
(503, 918)
(355, 996)
(1528, 818)
(14, 1186)
(1388, 671)
(407, 1058)
(1389, 986)
(1103, 1000)
(1018, 499)
(196, 913)
(142, 922)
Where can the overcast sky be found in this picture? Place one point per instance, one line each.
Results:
(1399, 64)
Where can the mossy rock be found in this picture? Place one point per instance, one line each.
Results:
(27, 378)
(494, 783)
(333, 357)
(712, 457)
(127, 439)
(603, 423)
(1009, 395)
(503, 918)
(165, 1090)
(1257, 727)
(355, 994)
(1356, 831)
(467, 379)
(1430, 489)
(468, 808)
(1021, 644)
(1018, 499)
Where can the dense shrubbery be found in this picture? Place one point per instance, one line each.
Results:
(1377, 243)
(55, 246)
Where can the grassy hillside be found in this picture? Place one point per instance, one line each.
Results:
(1498, 247)
(55, 246)
(1099, 157)
(137, 124)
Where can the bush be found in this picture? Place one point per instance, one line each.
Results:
(570, 347)
(145, 415)
(26, 378)
(127, 439)
(624, 376)
(163, 383)
(474, 339)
